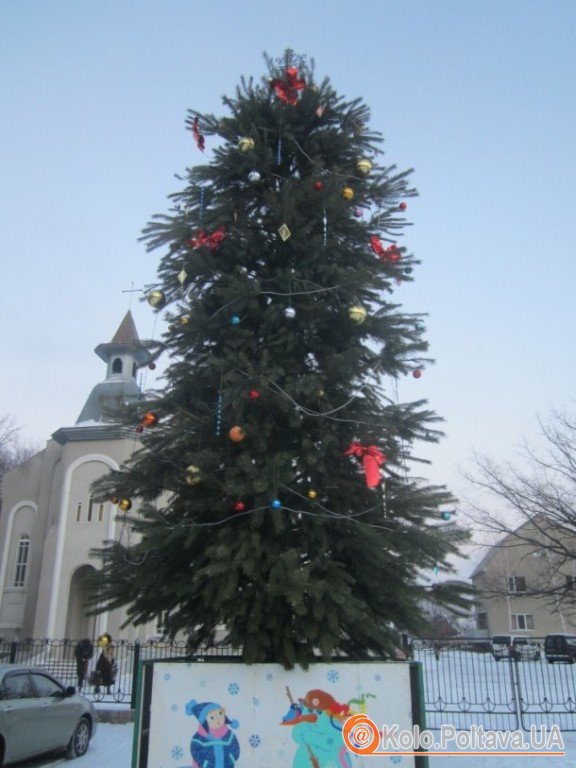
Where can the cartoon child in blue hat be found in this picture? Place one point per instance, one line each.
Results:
(214, 745)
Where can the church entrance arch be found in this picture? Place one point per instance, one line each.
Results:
(78, 623)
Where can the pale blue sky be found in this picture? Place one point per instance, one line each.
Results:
(478, 97)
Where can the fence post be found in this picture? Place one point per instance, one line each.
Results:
(13, 651)
(135, 661)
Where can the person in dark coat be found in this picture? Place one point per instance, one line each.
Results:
(83, 652)
(106, 664)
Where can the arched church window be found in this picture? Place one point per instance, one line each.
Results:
(134, 370)
(117, 365)
(21, 560)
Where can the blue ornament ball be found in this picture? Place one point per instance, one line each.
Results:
(446, 515)
(275, 503)
(235, 320)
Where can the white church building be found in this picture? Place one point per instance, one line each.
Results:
(49, 522)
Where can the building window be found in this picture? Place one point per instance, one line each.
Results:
(517, 584)
(90, 506)
(101, 513)
(570, 583)
(117, 365)
(21, 560)
(78, 512)
(482, 620)
(134, 370)
(522, 621)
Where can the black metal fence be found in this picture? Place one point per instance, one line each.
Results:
(465, 685)
(58, 657)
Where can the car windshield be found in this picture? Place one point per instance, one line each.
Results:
(501, 640)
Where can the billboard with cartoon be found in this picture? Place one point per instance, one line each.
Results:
(233, 715)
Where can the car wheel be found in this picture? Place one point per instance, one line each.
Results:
(80, 739)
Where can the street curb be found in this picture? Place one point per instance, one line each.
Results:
(115, 716)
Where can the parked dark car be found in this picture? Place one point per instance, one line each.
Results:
(38, 714)
(560, 647)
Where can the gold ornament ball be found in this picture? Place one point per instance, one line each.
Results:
(193, 475)
(246, 144)
(184, 320)
(125, 505)
(156, 299)
(312, 494)
(357, 314)
(237, 434)
(347, 193)
(364, 166)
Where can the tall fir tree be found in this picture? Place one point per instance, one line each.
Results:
(275, 495)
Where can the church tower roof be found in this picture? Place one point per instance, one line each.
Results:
(123, 356)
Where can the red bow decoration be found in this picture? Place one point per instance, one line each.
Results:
(287, 90)
(210, 241)
(372, 458)
(200, 142)
(386, 254)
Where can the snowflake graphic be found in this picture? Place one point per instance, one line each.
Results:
(395, 759)
(167, 676)
(269, 676)
(177, 752)
(254, 740)
(202, 683)
(233, 689)
(256, 702)
(333, 676)
(174, 708)
(378, 677)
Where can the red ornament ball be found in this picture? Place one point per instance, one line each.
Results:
(253, 394)
(139, 428)
(239, 506)
(417, 373)
(318, 185)
(402, 206)
(152, 366)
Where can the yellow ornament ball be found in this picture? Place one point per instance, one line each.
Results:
(184, 320)
(125, 505)
(156, 299)
(357, 314)
(312, 494)
(193, 475)
(347, 193)
(246, 144)
(364, 166)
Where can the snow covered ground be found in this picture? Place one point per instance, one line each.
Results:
(112, 748)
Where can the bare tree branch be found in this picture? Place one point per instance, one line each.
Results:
(535, 509)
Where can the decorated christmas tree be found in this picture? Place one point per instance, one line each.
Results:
(274, 490)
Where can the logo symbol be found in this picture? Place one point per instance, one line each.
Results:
(360, 735)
